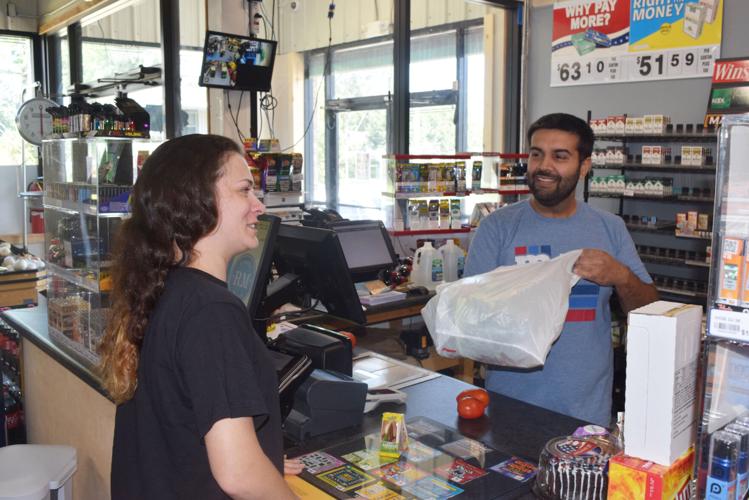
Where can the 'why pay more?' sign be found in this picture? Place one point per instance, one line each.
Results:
(608, 41)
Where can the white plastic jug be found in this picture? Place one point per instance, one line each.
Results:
(453, 259)
(427, 269)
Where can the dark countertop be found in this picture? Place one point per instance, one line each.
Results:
(510, 426)
(32, 324)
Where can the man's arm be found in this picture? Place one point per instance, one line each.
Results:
(601, 268)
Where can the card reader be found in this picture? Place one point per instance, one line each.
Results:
(384, 395)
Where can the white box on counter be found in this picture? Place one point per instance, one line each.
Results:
(660, 413)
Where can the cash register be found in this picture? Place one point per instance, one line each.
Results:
(316, 390)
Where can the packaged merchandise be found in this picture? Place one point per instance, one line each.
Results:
(460, 177)
(433, 179)
(455, 214)
(423, 182)
(663, 343)
(631, 478)
(453, 258)
(723, 465)
(742, 471)
(428, 267)
(476, 176)
(444, 213)
(423, 214)
(731, 271)
(413, 215)
(442, 184)
(434, 214)
(393, 435)
(572, 467)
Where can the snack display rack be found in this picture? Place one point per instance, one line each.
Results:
(87, 186)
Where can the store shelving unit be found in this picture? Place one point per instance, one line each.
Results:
(87, 186)
(664, 207)
(726, 348)
(456, 178)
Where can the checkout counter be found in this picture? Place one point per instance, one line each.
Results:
(65, 404)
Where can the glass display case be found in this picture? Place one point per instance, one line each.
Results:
(87, 186)
(723, 440)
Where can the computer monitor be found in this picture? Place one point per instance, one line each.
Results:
(367, 247)
(311, 267)
(237, 62)
(249, 273)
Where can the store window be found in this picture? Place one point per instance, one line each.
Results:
(349, 133)
(474, 88)
(17, 78)
(314, 98)
(433, 83)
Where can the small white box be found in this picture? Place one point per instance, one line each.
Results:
(663, 345)
(686, 155)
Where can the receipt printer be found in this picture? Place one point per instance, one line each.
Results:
(325, 402)
(327, 349)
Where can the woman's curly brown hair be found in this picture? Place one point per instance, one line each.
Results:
(173, 207)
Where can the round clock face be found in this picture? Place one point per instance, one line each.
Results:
(33, 121)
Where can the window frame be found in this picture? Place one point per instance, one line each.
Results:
(38, 70)
(333, 106)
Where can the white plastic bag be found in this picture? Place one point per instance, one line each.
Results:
(509, 317)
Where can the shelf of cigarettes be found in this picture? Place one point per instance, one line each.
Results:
(693, 224)
(620, 185)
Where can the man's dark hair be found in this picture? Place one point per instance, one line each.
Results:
(568, 123)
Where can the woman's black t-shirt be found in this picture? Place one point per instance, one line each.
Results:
(200, 362)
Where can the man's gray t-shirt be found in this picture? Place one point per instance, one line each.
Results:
(577, 377)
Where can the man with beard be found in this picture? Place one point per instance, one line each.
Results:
(577, 377)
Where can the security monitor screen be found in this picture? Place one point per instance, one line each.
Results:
(237, 62)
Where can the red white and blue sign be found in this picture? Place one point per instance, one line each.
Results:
(609, 41)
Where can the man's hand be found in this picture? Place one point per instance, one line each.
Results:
(601, 268)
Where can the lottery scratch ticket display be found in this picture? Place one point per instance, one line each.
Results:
(438, 463)
(574, 468)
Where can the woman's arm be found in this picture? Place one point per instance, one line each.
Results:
(238, 463)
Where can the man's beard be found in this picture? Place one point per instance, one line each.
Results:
(564, 188)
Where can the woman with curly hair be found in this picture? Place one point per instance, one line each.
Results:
(198, 413)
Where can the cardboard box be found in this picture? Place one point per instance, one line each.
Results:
(663, 345)
(21, 288)
(634, 479)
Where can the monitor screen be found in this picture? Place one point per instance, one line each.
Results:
(237, 62)
(312, 267)
(249, 273)
(367, 247)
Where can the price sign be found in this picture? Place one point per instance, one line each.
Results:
(670, 64)
(600, 70)
(595, 41)
(729, 324)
